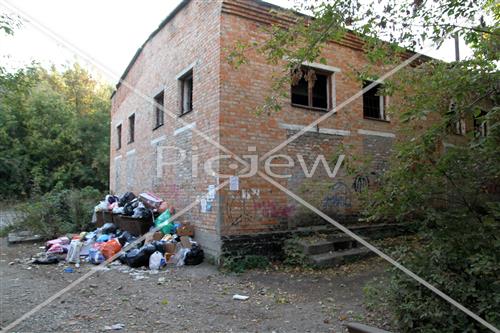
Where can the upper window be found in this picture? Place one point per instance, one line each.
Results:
(480, 125)
(373, 102)
(131, 128)
(118, 136)
(159, 110)
(459, 127)
(310, 88)
(186, 92)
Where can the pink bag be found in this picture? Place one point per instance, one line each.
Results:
(150, 200)
(60, 241)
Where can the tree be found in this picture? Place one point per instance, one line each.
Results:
(452, 193)
(55, 131)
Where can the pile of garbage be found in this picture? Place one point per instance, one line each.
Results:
(166, 243)
(144, 206)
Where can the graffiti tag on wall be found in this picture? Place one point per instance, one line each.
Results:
(339, 197)
(248, 206)
(360, 183)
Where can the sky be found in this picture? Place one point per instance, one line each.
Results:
(109, 32)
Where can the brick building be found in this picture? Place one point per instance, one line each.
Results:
(183, 67)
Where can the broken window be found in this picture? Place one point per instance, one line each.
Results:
(159, 110)
(118, 136)
(480, 125)
(459, 125)
(373, 102)
(186, 92)
(131, 128)
(310, 88)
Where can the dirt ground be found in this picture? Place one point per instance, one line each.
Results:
(184, 299)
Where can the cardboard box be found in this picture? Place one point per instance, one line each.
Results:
(150, 200)
(157, 236)
(170, 248)
(168, 257)
(185, 230)
(186, 243)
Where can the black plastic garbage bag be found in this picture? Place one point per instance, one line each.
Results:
(160, 246)
(136, 258)
(142, 213)
(126, 198)
(128, 209)
(194, 256)
(46, 261)
(108, 228)
(148, 249)
(125, 237)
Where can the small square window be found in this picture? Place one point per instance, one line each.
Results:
(159, 109)
(310, 88)
(373, 102)
(118, 136)
(131, 128)
(186, 83)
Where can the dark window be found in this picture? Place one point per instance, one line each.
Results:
(480, 125)
(131, 128)
(118, 136)
(310, 88)
(187, 92)
(159, 110)
(459, 124)
(373, 102)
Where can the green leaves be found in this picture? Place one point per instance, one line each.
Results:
(55, 131)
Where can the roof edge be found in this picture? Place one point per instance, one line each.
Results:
(163, 23)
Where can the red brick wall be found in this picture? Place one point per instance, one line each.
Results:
(244, 89)
(192, 36)
(224, 105)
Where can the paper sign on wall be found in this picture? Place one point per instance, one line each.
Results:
(211, 193)
(203, 204)
(234, 183)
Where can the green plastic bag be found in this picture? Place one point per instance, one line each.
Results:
(162, 223)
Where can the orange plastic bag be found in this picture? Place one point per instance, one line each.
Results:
(110, 248)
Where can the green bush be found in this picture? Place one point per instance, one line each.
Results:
(468, 272)
(293, 254)
(60, 211)
(242, 264)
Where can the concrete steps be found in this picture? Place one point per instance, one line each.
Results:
(325, 246)
(337, 258)
(331, 250)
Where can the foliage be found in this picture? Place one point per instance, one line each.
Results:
(387, 28)
(452, 192)
(294, 256)
(59, 212)
(8, 23)
(449, 184)
(244, 263)
(55, 131)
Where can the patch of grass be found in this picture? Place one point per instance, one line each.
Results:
(294, 256)
(242, 264)
(4, 231)
(376, 295)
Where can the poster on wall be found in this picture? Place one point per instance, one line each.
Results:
(234, 183)
(203, 204)
(211, 193)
